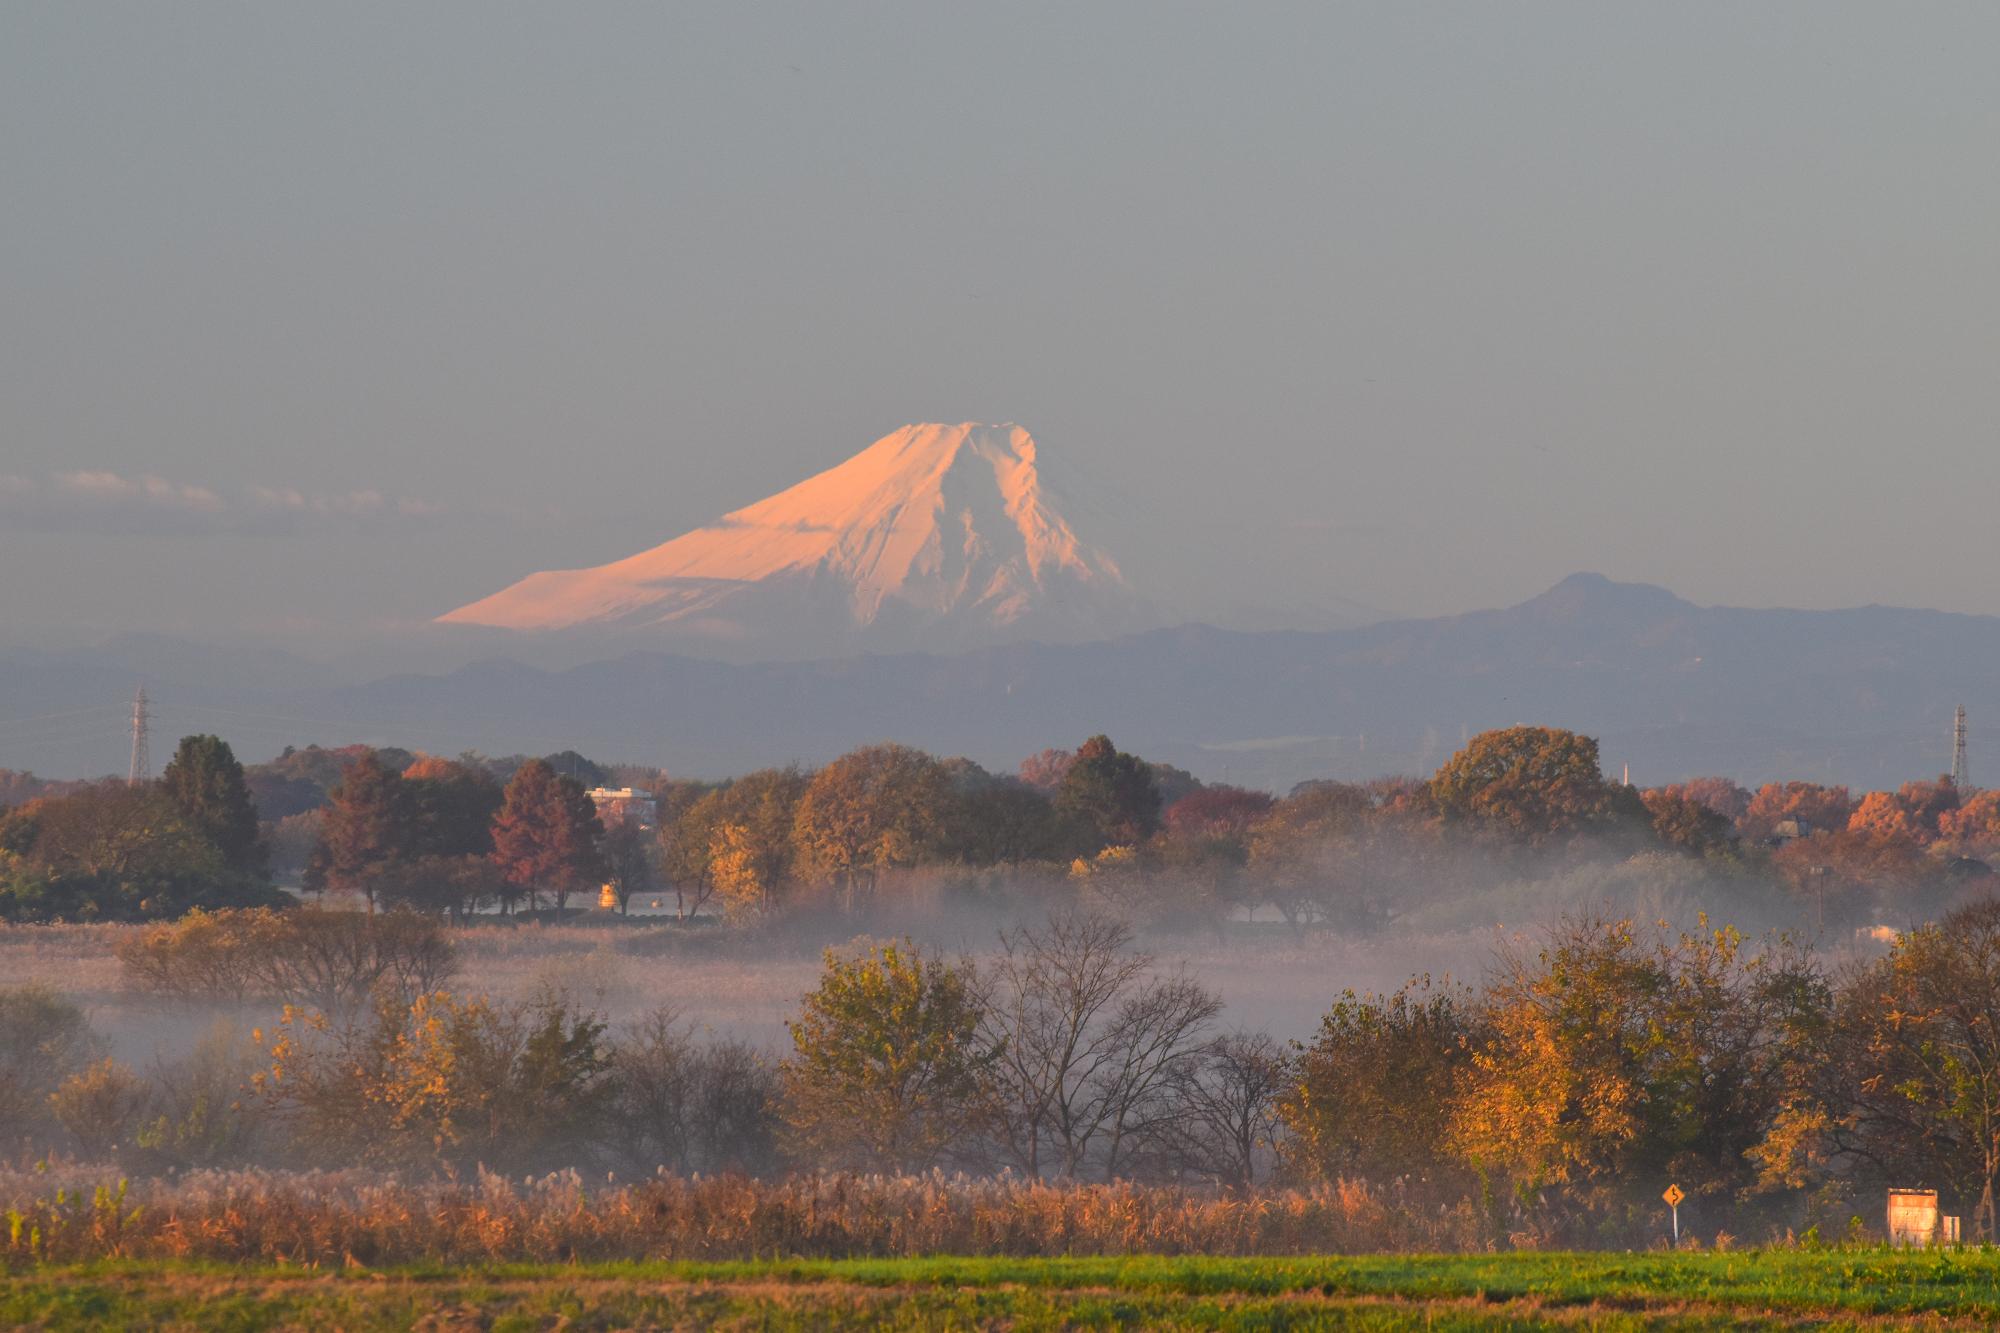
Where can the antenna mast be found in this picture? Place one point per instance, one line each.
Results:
(142, 762)
(1960, 777)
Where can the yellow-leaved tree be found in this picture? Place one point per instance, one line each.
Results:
(441, 1081)
(887, 1070)
(879, 808)
(1617, 1062)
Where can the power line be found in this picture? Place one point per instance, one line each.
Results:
(49, 717)
(288, 723)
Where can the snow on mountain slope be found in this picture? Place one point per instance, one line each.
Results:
(934, 536)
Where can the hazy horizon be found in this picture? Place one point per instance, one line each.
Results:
(321, 323)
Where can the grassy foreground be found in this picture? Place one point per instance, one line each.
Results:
(1754, 1289)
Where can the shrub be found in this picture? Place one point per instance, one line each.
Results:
(442, 1082)
(43, 1039)
(99, 1107)
(331, 961)
(202, 1113)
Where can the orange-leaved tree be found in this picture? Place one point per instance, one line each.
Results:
(546, 837)
(1808, 803)
(365, 835)
(1533, 785)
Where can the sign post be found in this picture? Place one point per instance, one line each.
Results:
(1673, 1196)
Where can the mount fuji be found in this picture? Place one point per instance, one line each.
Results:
(935, 537)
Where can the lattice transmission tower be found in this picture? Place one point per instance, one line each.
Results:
(1961, 777)
(142, 762)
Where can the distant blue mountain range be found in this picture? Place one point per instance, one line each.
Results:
(1862, 696)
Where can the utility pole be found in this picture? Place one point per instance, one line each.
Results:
(142, 762)
(1961, 777)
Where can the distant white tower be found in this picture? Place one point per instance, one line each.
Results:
(1961, 777)
(142, 762)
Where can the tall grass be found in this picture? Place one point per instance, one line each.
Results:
(72, 1214)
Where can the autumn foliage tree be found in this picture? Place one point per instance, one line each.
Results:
(438, 813)
(1912, 812)
(1532, 785)
(1216, 812)
(1973, 829)
(546, 836)
(887, 1071)
(365, 835)
(1109, 794)
(1613, 1056)
(109, 851)
(1723, 795)
(441, 1081)
(1044, 770)
(1841, 872)
(1371, 1094)
(1882, 815)
(734, 843)
(451, 807)
(1929, 802)
(1306, 853)
(1686, 824)
(1815, 806)
(1925, 1082)
(876, 809)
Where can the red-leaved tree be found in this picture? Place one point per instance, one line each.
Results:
(547, 838)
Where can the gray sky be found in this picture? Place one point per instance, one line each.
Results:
(1418, 307)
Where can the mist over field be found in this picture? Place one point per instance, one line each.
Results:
(1092, 979)
(1269, 980)
(775, 665)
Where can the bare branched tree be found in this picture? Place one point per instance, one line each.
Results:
(1157, 1042)
(1226, 1121)
(689, 1105)
(329, 960)
(1091, 1042)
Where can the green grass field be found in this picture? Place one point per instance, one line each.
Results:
(1747, 1289)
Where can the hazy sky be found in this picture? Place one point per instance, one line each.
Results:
(1414, 306)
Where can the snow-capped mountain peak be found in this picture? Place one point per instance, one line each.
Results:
(933, 536)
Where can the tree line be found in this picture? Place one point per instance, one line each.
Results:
(1559, 1099)
(1553, 1102)
(1143, 840)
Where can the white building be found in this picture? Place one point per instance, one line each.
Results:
(619, 804)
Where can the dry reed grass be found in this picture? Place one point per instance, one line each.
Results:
(68, 1214)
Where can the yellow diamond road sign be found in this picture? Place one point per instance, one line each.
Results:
(1673, 1196)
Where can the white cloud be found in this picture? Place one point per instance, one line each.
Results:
(110, 503)
(150, 491)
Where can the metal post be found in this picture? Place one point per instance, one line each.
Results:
(1961, 775)
(141, 769)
